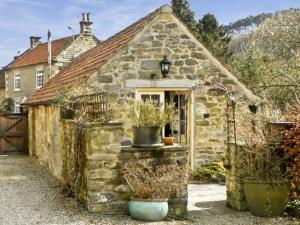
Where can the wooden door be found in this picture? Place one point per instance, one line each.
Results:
(13, 132)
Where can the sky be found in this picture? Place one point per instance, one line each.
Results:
(20, 19)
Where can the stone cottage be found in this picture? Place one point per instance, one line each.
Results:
(129, 62)
(31, 70)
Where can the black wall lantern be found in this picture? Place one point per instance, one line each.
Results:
(165, 66)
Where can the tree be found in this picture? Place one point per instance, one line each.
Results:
(211, 34)
(182, 9)
(274, 50)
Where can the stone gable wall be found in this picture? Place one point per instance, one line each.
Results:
(81, 44)
(28, 73)
(141, 58)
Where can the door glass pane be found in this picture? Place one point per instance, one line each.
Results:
(156, 99)
(145, 97)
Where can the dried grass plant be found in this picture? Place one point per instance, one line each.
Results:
(261, 161)
(292, 149)
(148, 181)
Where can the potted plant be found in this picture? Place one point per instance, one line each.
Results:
(148, 118)
(151, 186)
(266, 186)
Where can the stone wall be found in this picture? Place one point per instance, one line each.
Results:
(234, 180)
(107, 192)
(44, 130)
(98, 169)
(165, 35)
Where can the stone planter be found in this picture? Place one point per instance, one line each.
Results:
(265, 199)
(146, 136)
(148, 210)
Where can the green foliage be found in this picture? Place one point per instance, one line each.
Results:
(212, 172)
(182, 9)
(207, 30)
(211, 34)
(150, 113)
(268, 59)
(6, 104)
(293, 208)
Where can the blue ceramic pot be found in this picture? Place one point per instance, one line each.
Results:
(148, 210)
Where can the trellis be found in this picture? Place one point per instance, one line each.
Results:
(90, 108)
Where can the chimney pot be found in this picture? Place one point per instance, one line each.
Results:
(86, 27)
(34, 41)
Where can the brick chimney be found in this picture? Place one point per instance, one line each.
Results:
(34, 41)
(86, 27)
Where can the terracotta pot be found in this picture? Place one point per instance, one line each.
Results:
(169, 140)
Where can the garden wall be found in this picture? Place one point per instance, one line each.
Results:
(234, 180)
(88, 160)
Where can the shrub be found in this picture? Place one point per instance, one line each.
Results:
(293, 208)
(292, 148)
(150, 181)
(212, 172)
(261, 160)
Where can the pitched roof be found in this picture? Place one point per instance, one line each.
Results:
(2, 79)
(39, 54)
(89, 61)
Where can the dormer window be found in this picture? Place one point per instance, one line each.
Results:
(39, 78)
(17, 82)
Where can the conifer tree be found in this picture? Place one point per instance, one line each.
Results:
(211, 34)
(182, 9)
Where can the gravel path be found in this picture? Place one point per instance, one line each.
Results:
(30, 195)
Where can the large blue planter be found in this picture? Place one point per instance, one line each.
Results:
(148, 210)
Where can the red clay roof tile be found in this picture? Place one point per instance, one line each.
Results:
(39, 54)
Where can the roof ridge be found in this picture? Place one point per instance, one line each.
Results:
(110, 39)
(98, 56)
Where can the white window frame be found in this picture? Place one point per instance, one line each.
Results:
(39, 78)
(17, 106)
(17, 80)
(161, 93)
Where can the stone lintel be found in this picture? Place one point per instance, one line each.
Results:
(167, 83)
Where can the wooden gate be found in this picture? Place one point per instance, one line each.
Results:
(13, 132)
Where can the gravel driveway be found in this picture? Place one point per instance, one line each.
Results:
(30, 195)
